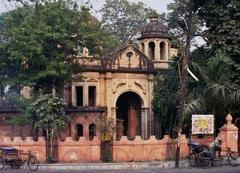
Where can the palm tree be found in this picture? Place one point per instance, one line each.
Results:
(213, 94)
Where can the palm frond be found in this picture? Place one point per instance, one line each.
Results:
(220, 57)
(198, 70)
(234, 97)
(219, 91)
(197, 105)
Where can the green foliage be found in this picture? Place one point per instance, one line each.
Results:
(23, 105)
(178, 9)
(50, 113)
(50, 116)
(124, 19)
(223, 29)
(214, 93)
(41, 39)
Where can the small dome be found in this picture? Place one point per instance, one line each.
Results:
(154, 29)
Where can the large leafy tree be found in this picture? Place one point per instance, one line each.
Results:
(41, 40)
(222, 22)
(177, 9)
(124, 19)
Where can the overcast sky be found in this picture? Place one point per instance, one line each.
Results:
(159, 5)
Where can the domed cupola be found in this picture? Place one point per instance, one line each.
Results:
(154, 29)
(155, 43)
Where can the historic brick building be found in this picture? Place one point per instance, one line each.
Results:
(119, 86)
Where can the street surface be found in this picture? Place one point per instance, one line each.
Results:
(219, 169)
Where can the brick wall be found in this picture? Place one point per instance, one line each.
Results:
(38, 147)
(81, 150)
(147, 150)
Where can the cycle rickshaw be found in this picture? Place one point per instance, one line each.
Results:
(16, 158)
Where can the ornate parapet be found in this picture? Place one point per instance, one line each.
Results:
(38, 147)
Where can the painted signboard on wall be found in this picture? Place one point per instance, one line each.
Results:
(202, 124)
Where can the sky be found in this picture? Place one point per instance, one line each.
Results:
(159, 5)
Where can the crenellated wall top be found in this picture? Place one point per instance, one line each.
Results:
(152, 140)
(17, 140)
(81, 141)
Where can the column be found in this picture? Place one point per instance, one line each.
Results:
(166, 51)
(144, 123)
(114, 116)
(146, 49)
(229, 134)
(169, 51)
(73, 131)
(85, 95)
(132, 123)
(101, 94)
(157, 50)
(74, 98)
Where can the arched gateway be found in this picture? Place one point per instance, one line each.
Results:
(128, 115)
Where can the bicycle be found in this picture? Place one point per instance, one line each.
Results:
(16, 158)
(195, 148)
(206, 159)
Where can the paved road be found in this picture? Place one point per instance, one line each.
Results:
(185, 170)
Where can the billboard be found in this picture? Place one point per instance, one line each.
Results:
(202, 124)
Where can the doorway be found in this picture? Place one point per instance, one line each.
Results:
(128, 115)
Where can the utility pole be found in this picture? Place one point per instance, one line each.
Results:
(183, 89)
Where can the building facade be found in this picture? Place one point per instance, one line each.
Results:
(119, 86)
(122, 84)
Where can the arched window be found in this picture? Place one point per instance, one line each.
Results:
(92, 131)
(163, 51)
(151, 50)
(79, 130)
(143, 47)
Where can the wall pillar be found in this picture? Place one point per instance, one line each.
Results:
(229, 134)
(73, 131)
(132, 123)
(166, 51)
(74, 98)
(85, 95)
(157, 51)
(169, 51)
(144, 123)
(146, 51)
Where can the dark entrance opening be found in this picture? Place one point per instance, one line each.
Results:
(79, 131)
(128, 115)
(92, 131)
(79, 92)
(92, 96)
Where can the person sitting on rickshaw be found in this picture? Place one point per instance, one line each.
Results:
(215, 146)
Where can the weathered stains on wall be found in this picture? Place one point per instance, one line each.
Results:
(81, 150)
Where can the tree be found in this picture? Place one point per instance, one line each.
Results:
(212, 94)
(51, 117)
(41, 41)
(124, 19)
(176, 10)
(223, 29)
